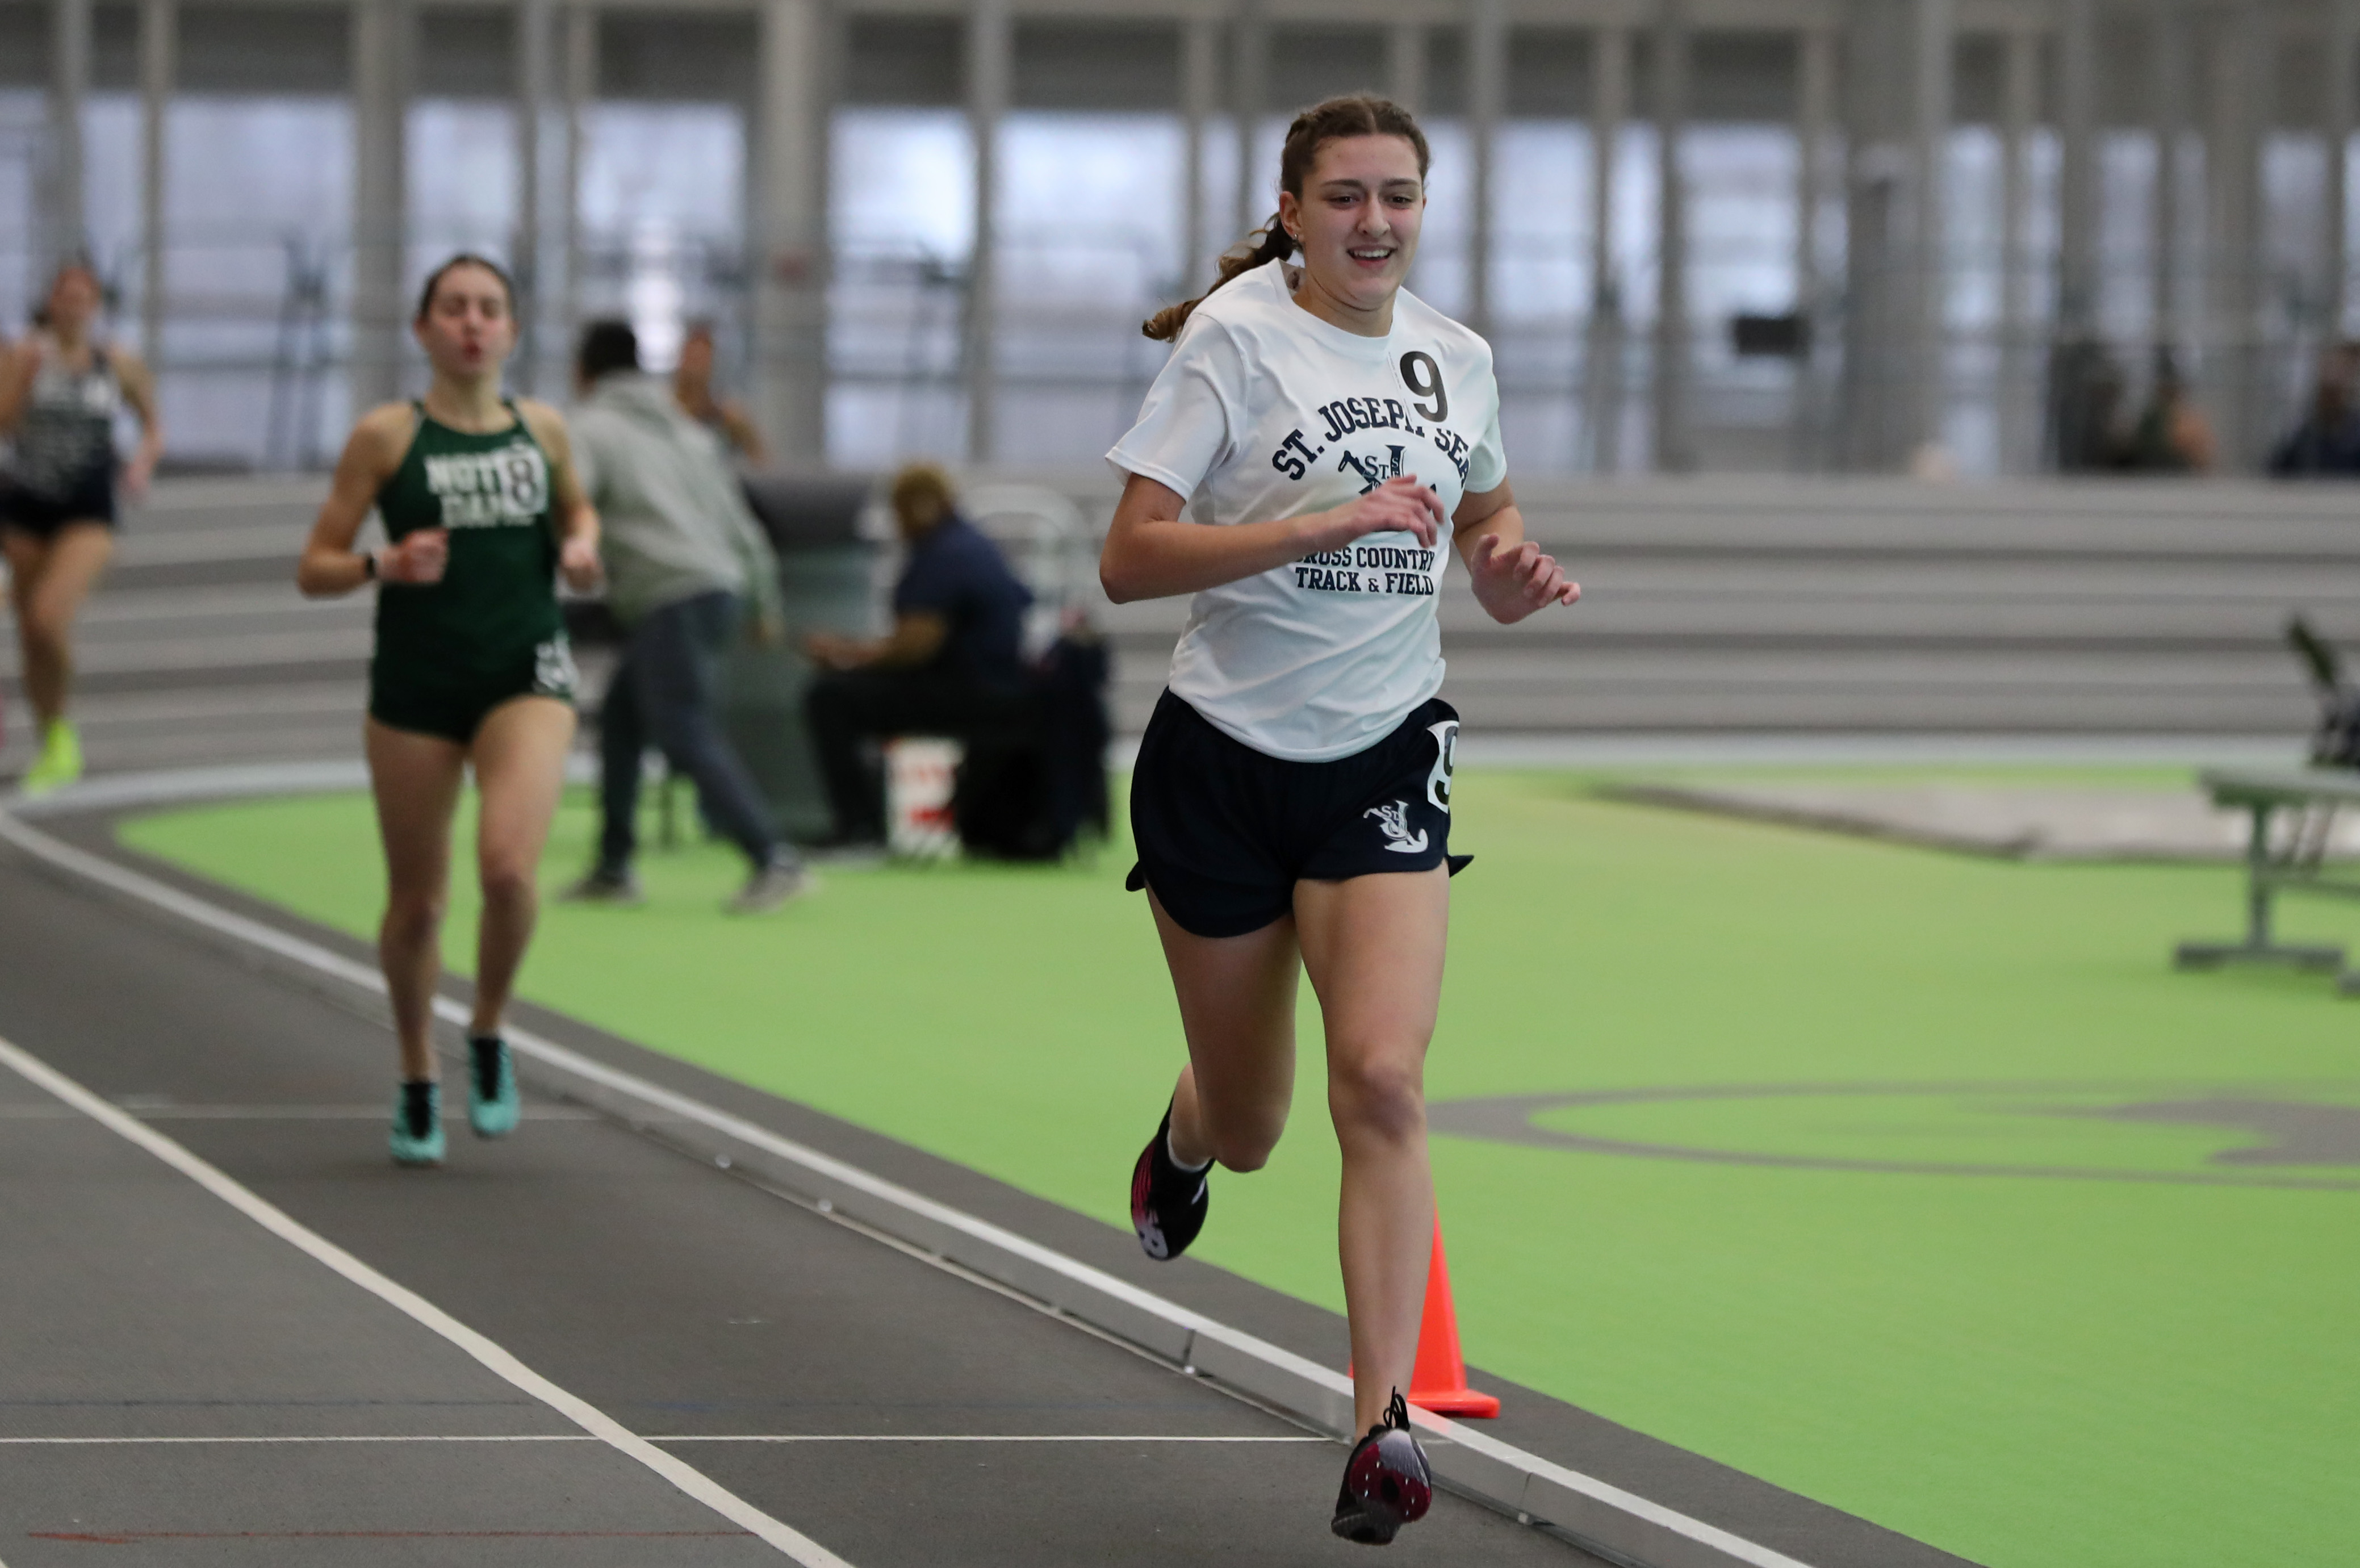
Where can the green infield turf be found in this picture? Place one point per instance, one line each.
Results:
(1916, 1183)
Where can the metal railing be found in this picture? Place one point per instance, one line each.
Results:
(257, 349)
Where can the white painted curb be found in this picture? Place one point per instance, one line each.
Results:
(1602, 1516)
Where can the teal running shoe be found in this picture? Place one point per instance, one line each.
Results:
(418, 1125)
(493, 1104)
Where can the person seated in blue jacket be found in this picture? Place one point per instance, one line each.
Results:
(2327, 442)
(952, 665)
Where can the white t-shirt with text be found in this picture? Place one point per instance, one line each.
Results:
(1266, 411)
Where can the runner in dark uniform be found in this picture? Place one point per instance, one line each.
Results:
(478, 498)
(61, 390)
(451, 651)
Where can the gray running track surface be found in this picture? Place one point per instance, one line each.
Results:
(679, 1300)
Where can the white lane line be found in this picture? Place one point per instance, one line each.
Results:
(660, 1437)
(1207, 1337)
(983, 1436)
(208, 1442)
(276, 1114)
(581, 1412)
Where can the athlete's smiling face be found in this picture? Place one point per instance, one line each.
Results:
(1357, 220)
(466, 329)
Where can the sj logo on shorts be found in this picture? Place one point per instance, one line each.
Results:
(1392, 820)
(1446, 757)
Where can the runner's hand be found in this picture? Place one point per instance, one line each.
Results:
(1512, 584)
(577, 563)
(1397, 506)
(418, 558)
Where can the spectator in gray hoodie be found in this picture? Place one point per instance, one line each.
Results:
(684, 561)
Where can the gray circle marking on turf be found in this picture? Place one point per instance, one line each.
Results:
(2303, 1132)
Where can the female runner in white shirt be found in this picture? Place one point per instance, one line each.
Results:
(1325, 434)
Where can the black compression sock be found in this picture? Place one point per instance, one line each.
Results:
(484, 1060)
(418, 1107)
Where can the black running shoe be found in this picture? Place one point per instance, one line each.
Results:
(1387, 1483)
(1167, 1204)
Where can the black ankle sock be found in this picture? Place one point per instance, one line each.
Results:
(484, 1057)
(418, 1107)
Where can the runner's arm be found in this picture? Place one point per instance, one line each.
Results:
(917, 636)
(140, 392)
(329, 566)
(1151, 553)
(20, 363)
(576, 518)
(1512, 576)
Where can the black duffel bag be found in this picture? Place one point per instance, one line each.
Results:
(1026, 790)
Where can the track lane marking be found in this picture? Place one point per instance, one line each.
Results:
(1205, 1332)
(32, 1112)
(683, 1478)
(435, 1437)
(981, 1437)
(664, 1437)
(132, 1537)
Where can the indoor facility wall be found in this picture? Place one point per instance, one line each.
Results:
(1115, 181)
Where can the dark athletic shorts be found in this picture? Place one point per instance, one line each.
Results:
(1225, 832)
(450, 706)
(44, 516)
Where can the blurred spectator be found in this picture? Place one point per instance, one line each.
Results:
(952, 665)
(692, 383)
(2328, 439)
(2172, 435)
(2085, 407)
(683, 554)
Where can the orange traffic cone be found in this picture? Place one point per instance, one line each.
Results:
(1438, 1381)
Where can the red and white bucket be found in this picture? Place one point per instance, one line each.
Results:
(920, 773)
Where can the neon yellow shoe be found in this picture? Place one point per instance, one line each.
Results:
(60, 763)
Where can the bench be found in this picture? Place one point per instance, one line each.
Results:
(2291, 859)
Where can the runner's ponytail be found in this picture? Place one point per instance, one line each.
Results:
(1356, 115)
(1267, 244)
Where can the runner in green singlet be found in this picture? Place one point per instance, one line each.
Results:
(479, 497)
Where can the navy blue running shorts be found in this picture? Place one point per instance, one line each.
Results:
(1224, 832)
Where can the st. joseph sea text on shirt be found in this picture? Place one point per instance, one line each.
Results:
(1367, 568)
